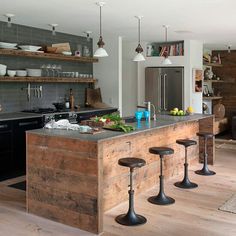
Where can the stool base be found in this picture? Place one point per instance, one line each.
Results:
(205, 172)
(185, 184)
(161, 199)
(131, 219)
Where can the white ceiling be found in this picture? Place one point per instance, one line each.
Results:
(212, 21)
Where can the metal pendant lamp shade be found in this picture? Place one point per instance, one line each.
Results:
(166, 60)
(139, 56)
(100, 52)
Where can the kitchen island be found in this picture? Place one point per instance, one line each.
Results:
(74, 178)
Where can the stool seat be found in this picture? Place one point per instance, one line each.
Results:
(205, 134)
(186, 142)
(132, 162)
(161, 150)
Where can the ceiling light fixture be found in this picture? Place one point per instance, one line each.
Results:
(139, 49)
(100, 52)
(9, 16)
(53, 28)
(166, 60)
(88, 35)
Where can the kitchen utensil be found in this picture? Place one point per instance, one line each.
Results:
(30, 48)
(51, 49)
(11, 73)
(61, 47)
(41, 91)
(34, 72)
(28, 92)
(21, 73)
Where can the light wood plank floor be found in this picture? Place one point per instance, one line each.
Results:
(194, 213)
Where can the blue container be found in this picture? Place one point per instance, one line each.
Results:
(138, 115)
(146, 114)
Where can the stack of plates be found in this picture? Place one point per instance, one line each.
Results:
(29, 48)
(8, 45)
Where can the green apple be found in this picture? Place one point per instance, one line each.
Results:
(176, 109)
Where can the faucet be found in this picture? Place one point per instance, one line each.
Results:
(148, 107)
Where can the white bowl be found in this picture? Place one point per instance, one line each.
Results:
(2, 72)
(7, 45)
(3, 67)
(67, 53)
(21, 73)
(29, 47)
(34, 72)
(11, 73)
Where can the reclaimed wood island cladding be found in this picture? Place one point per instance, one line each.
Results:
(74, 181)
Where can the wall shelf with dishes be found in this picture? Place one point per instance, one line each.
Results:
(158, 49)
(47, 79)
(42, 55)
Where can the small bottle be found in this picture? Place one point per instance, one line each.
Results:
(72, 100)
(67, 102)
(78, 52)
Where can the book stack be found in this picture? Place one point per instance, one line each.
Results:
(171, 50)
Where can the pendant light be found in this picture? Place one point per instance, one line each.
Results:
(100, 52)
(9, 16)
(139, 49)
(53, 28)
(166, 60)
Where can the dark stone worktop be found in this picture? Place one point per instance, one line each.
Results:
(162, 121)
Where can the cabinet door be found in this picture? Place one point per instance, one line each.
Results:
(20, 126)
(6, 141)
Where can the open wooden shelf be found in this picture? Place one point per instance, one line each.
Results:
(220, 81)
(47, 79)
(212, 64)
(40, 55)
(212, 98)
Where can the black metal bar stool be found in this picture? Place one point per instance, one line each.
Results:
(131, 218)
(186, 183)
(161, 198)
(205, 170)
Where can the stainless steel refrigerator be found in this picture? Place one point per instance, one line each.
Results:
(164, 87)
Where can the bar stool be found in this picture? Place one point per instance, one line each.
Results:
(131, 218)
(205, 170)
(186, 183)
(161, 198)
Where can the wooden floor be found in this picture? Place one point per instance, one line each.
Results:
(194, 213)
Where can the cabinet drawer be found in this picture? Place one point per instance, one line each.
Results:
(5, 141)
(5, 126)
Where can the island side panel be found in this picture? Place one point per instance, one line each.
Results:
(207, 125)
(116, 178)
(62, 181)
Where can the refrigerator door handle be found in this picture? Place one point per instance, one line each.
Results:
(164, 91)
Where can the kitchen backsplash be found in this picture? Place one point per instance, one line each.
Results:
(12, 97)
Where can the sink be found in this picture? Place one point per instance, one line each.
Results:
(131, 119)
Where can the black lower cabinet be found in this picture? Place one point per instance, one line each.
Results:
(19, 141)
(6, 147)
(13, 146)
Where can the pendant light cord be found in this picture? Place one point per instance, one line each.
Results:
(139, 31)
(100, 21)
(166, 33)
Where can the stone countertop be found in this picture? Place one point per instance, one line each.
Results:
(17, 115)
(26, 115)
(161, 122)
